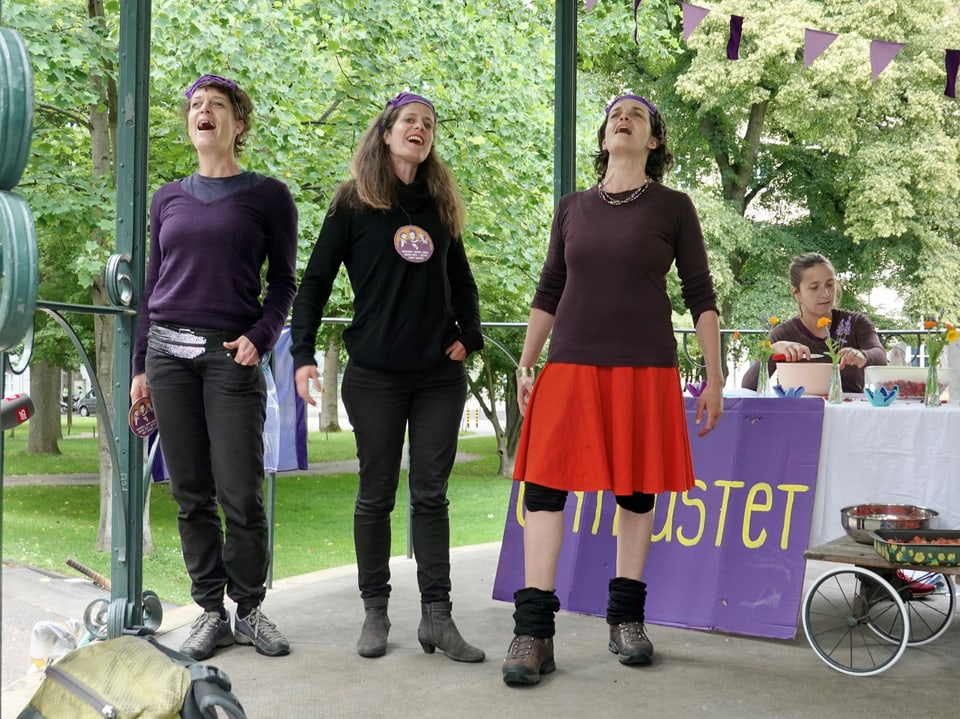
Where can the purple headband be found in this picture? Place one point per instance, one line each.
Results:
(208, 80)
(651, 108)
(405, 98)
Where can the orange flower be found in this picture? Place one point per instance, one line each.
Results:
(823, 322)
(941, 333)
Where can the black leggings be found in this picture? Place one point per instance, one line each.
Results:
(537, 498)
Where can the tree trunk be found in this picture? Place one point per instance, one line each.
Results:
(45, 423)
(329, 413)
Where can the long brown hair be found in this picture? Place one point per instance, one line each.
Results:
(373, 183)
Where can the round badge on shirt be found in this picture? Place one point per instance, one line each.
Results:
(141, 418)
(413, 244)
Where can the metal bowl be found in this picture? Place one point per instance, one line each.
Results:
(861, 519)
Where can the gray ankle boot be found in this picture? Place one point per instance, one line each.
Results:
(376, 626)
(438, 631)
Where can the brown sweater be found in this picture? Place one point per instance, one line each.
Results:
(605, 277)
(863, 336)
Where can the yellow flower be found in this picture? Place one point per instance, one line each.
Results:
(940, 334)
(773, 321)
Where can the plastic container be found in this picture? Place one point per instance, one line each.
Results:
(814, 377)
(912, 381)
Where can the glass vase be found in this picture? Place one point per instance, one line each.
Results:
(931, 393)
(835, 392)
(764, 383)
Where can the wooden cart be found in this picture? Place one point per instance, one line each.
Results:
(860, 619)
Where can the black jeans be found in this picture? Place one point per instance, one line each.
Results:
(381, 407)
(210, 413)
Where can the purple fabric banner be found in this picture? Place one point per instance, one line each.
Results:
(881, 55)
(292, 429)
(727, 555)
(692, 17)
(814, 44)
(951, 62)
(733, 44)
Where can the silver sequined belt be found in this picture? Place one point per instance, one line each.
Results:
(183, 342)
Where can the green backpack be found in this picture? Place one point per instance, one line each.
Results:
(131, 678)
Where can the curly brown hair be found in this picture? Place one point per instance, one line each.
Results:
(242, 110)
(659, 161)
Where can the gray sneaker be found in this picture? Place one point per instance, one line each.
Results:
(208, 633)
(263, 634)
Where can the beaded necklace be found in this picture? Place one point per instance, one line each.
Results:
(605, 196)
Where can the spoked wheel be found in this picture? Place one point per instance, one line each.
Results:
(841, 611)
(931, 612)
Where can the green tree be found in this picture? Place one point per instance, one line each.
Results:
(812, 159)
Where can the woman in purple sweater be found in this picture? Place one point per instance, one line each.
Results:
(813, 282)
(203, 331)
(607, 412)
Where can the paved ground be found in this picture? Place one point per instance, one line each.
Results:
(697, 674)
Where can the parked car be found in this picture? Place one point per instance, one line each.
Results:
(86, 405)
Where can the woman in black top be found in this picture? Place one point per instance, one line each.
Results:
(396, 226)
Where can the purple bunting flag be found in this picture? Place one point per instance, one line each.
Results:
(951, 62)
(815, 42)
(881, 54)
(636, 24)
(692, 16)
(733, 44)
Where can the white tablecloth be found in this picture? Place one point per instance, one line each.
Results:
(902, 454)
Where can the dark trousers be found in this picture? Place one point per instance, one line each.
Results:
(382, 406)
(210, 413)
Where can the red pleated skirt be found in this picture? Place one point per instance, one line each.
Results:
(618, 429)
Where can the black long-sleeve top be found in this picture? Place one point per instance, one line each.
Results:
(405, 313)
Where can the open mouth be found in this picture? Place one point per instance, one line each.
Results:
(623, 130)
(415, 139)
(205, 125)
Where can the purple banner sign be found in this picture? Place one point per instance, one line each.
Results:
(728, 554)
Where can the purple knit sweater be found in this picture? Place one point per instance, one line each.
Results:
(206, 258)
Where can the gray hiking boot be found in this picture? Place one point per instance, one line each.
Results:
(263, 634)
(208, 633)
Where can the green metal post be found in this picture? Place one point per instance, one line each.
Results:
(565, 104)
(128, 484)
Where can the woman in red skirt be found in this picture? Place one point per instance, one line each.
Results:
(607, 411)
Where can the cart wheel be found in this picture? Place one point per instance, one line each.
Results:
(840, 611)
(930, 614)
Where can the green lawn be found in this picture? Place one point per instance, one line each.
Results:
(43, 526)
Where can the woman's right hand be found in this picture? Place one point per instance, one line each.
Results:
(524, 388)
(139, 387)
(793, 351)
(303, 378)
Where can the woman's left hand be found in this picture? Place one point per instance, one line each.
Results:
(711, 401)
(852, 357)
(243, 351)
(456, 351)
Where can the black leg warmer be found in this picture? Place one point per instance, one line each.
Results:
(626, 601)
(534, 613)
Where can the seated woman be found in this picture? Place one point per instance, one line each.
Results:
(813, 283)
